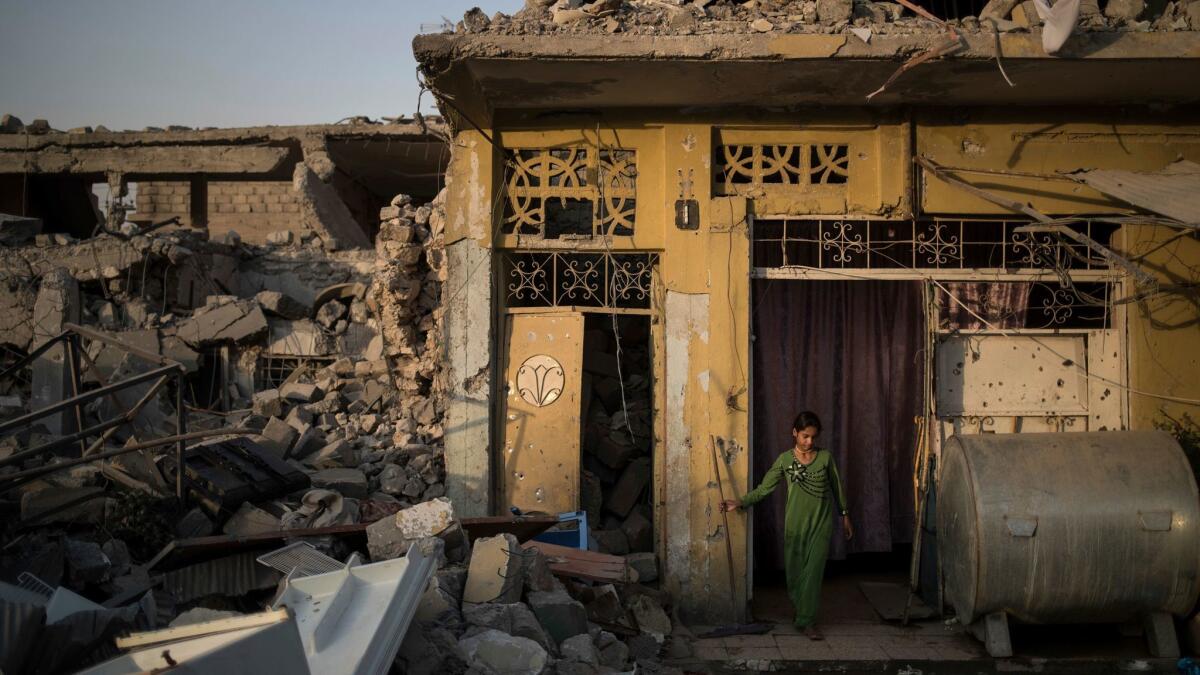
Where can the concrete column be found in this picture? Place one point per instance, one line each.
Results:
(57, 303)
(469, 358)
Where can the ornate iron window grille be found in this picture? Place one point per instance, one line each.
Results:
(740, 167)
(568, 278)
(570, 192)
(934, 244)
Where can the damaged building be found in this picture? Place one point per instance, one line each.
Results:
(671, 226)
(480, 382)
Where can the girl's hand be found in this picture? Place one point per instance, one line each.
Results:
(729, 505)
(847, 527)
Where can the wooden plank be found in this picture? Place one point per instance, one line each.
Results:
(578, 564)
(223, 159)
(523, 528)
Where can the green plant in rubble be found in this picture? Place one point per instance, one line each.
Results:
(1187, 432)
(144, 522)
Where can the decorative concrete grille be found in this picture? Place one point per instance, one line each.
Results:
(574, 192)
(564, 279)
(740, 166)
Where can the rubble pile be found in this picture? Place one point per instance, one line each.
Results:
(311, 400)
(709, 17)
(495, 606)
(617, 437)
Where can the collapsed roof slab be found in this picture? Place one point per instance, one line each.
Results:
(487, 72)
(157, 161)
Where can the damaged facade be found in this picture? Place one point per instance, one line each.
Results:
(790, 205)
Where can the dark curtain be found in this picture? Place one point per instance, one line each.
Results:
(851, 352)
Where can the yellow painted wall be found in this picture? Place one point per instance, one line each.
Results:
(705, 273)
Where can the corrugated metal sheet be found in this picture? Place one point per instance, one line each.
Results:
(1173, 192)
(20, 624)
(232, 575)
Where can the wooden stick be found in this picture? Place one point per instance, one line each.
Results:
(712, 444)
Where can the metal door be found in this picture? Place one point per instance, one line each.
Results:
(543, 412)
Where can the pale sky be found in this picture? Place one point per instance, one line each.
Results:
(128, 64)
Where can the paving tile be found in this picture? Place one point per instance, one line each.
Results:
(910, 652)
(766, 653)
(709, 650)
(749, 641)
(863, 629)
(803, 649)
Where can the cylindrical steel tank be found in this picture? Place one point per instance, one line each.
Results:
(1068, 527)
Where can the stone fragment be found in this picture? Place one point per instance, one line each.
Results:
(350, 482)
(436, 601)
(513, 618)
(612, 542)
(494, 652)
(1124, 10)
(392, 479)
(307, 442)
(629, 487)
(86, 562)
(475, 21)
(268, 403)
(762, 26)
(278, 436)
(330, 313)
(194, 523)
(561, 615)
(389, 538)
(651, 618)
(338, 452)
(281, 305)
(495, 574)
(429, 649)
(229, 322)
(280, 237)
(613, 653)
(642, 647)
(605, 605)
(248, 520)
(301, 392)
(833, 11)
(11, 124)
(38, 504)
(580, 648)
(118, 555)
(645, 564)
(639, 531)
(197, 615)
(18, 230)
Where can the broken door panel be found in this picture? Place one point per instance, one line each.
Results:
(991, 375)
(544, 409)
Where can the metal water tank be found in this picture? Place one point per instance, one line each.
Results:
(1068, 527)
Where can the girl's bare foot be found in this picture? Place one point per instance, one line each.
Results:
(812, 633)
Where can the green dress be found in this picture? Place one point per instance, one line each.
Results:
(807, 525)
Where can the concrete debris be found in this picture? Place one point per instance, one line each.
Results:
(495, 652)
(496, 573)
(18, 230)
(561, 615)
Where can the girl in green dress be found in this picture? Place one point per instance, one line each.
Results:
(813, 485)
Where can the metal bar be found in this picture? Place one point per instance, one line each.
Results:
(26, 420)
(131, 415)
(180, 432)
(91, 365)
(61, 442)
(1099, 249)
(948, 274)
(28, 358)
(122, 345)
(166, 440)
(71, 346)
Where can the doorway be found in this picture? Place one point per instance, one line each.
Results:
(579, 423)
(851, 351)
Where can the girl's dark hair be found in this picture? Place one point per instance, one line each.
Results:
(807, 419)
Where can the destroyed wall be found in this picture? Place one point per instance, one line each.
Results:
(254, 210)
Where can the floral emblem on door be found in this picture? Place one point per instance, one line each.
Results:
(540, 380)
